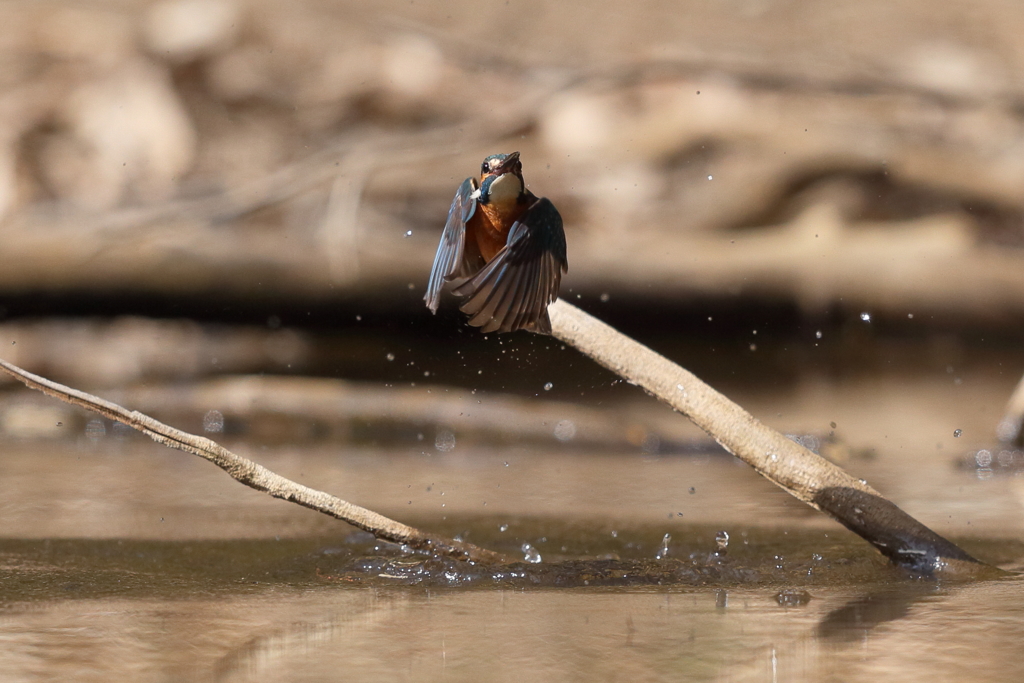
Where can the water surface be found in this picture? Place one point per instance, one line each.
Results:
(121, 559)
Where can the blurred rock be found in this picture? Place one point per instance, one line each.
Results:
(952, 69)
(183, 30)
(413, 65)
(578, 123)
(123, 134)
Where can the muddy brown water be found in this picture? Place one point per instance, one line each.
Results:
(122, 560)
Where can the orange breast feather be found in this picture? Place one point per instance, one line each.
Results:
(490, 225)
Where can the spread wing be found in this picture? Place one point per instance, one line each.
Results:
(513, 290)
(452, 258)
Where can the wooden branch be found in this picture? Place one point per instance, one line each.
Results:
(797, 470)
(494, 417)
(260, 478)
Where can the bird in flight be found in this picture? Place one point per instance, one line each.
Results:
(505, 247)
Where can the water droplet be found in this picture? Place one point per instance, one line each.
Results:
(95, 429)
(710, 177)
(957, 433)
(213, 422)
(530, 554)
(866, 317)
(809, 441)
(817, 334)
(390, 356)
(791, 597)
(503, 528)
(548, 386)
(663, 549)
(774, 457)
(816, 557)
(615, 534)
(408, 233)
(722, 541)
(910, 315)
(565, 430)
(1007, 429)
(444, 441)
(605, 298)
(692, 490)
(426, 373)
(121, 431)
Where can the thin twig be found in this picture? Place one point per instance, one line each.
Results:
(260, 478)
(797, 470)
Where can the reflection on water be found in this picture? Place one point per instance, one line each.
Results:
(337, 633)
(855, 619)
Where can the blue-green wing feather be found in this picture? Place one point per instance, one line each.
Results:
(452, 258)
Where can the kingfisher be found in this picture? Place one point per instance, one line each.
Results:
(506, 247)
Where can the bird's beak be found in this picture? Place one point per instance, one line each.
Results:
(508, 164)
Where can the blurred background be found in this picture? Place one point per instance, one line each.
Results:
(779, 166)
(224, 212)
(786, 165)
(820, 210)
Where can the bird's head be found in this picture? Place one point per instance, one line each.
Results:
(501, 179)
